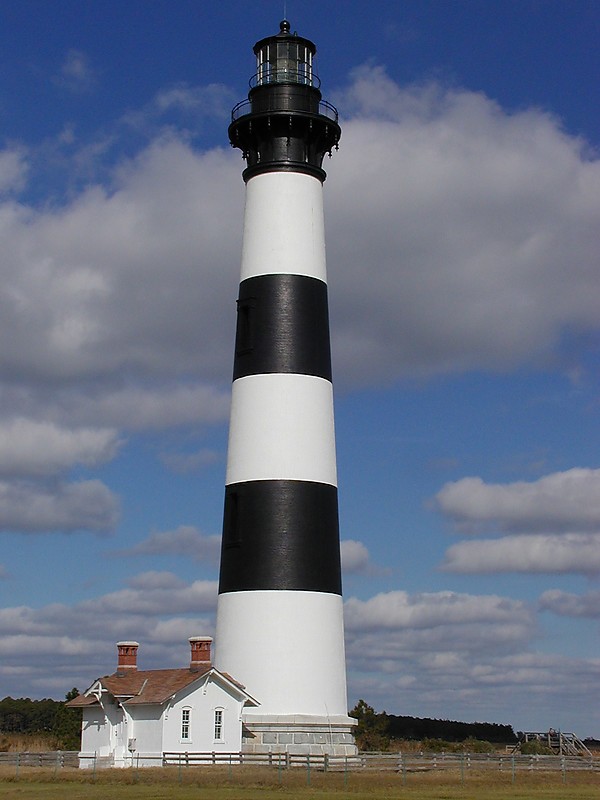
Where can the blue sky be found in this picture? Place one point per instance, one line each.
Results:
(462, 223)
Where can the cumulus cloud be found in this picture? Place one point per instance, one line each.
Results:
(185, 105)
(183, 541)
(356, 559)
(57, 506)
(397, 610)
(141, 407)
(571, 605)
(197, 596)
(567, 553)
(424, 651)
(31, 447)
(563, 501)
(148, 598)
(470, 654)
(52, 648)
(131, 281)
(214, 99)
(562, 506)
(467, 216)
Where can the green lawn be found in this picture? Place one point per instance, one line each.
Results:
(253, 784)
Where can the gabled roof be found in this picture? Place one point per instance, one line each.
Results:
(153, 686)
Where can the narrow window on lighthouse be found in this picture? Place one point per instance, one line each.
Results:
(232, 535)
(244, 337)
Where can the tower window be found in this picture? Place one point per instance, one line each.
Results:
(232, 534)
(244, 338)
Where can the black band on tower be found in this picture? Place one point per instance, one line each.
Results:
(282, 327)
(280, 535)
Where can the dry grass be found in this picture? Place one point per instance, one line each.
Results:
(252, 783)
(27, 742)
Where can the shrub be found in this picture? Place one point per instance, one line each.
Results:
(535, 748)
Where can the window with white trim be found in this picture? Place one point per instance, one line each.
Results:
(186, 714)
(218, 724)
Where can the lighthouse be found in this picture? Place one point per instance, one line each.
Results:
(279, 617)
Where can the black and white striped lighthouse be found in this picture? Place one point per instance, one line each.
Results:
(279, 619)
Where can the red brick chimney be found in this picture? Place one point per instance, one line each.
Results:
(127, 657)
(200, 651)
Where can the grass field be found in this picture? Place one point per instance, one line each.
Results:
(259, 784)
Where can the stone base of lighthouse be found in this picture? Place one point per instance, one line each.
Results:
(298, 734)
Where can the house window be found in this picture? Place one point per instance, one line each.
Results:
(218, 724)
(185, 723)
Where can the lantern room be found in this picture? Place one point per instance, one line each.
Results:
(284, 58)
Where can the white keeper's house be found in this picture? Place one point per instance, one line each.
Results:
(134, 716)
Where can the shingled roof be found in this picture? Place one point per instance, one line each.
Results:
(131, 686)
(149, 686)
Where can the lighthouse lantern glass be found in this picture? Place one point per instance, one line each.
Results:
(284, 62)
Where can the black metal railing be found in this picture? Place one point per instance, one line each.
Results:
(245, 107)
(304, 77)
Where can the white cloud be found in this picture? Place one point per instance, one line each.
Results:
(136, 408)
(13, 170)
(31, 447)
(57, 506)
(567, 553)
(571, 605)
(57, 646)
(183, 541)
(398, 610)
(466, 216)
(215, 99)
(146, 407)
(125, 613)
(562, 501)
(189, 105)
(156, 600)
(134, 282)
(356, 559)
(465, 657)
(563, 506)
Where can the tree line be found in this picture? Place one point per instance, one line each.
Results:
(50, 717)
(377, 731)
